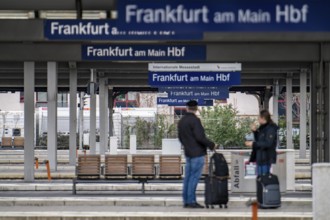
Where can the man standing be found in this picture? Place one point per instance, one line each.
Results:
(192, 137)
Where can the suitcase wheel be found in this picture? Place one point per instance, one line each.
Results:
(207, 206)
(220, 206)
(212, 207)
(226, 207)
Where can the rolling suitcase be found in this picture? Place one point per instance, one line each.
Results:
(216, 187)
(268, 191)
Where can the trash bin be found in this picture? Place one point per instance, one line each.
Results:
(243, 174)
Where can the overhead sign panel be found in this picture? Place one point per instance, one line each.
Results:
(182, 101)
(143, 52)
(191, 93)
(194, 74)
(234, 15)
(110, 30)
(194, 67)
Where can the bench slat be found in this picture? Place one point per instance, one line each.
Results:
(89, 166)
(143, 165)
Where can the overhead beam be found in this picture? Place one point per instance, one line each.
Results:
(265, 36)
(263, 52)
(220, 52)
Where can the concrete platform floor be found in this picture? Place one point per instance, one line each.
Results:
(66, 185)
(146, 213)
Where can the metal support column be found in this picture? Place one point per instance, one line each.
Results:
(110, 104)
(314, 113)
(52, 114)
(29, 77)
(92, 117)
(73, 116)
(266, 98)
(81, 119)
(106, 119)
(303, 113)
(276, 93)
(327, 110)
(103, 109)
(289, 140)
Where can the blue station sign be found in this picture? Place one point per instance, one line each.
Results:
(194, 75)
(191, 93)
(182, 101)
(190, 19)
(144, 52)
(110, 30)
(226, 15)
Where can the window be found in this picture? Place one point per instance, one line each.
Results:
(62, 100)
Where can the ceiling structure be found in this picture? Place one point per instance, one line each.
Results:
(265, 57)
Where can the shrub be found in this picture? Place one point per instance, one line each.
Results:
(223, 126)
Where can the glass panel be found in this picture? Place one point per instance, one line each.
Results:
(41, 96)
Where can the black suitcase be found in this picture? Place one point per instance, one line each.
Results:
(216, 187)
(268, 191)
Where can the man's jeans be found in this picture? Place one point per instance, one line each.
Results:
(263, 169)
(193, 172)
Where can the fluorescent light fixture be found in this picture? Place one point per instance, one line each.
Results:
(73, 15)
(16, 14)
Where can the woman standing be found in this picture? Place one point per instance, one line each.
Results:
(264, 144)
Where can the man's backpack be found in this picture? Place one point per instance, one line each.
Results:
(218, 165)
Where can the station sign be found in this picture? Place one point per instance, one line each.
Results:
(193, 74)
(104, 29)
(191, 93)
(190, 19)
(182, 101)
(226, 15)
(143, 52)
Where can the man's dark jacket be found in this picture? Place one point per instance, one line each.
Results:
(264, 146)
(192, 136)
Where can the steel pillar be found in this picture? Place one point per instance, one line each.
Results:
(52, 114)
(327, 113)
(92, 117)
(81, 119)
(276, 93)
(29, 78)
(319, 109)
(73, 117)
(289, 140)
(103, 115)
(303, 114)
(110, 104)
(106, 119)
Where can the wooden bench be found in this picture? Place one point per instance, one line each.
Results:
(18, 142)
(6, 142)
(170, 167)
(143, 168)
(89, 167)
(116, 167)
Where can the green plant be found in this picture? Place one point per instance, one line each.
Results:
(163, 129)
(127, 134)
(282, 131)
(143, 130)
(223, 126)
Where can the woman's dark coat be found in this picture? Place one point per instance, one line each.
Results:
(264, 146)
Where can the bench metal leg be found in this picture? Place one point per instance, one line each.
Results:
(74, 191)
(143, 182)
(143, 188)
